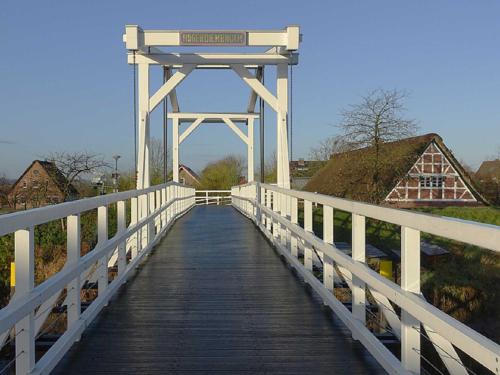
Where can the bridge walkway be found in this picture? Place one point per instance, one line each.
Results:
(214, 297)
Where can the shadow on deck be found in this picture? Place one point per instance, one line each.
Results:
(214, 297)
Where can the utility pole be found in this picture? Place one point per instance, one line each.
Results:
(115, 175)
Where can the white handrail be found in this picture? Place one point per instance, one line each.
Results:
(274, 210)
(153, 211)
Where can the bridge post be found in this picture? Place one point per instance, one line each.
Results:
(410, 281)
(121, 227)
(294, 218)
(163, 202)
(268, 205)
(143, 153)
(157, 206)
(175, 149)
(151, 224)
(25, 281)
(276, 225)
(133, 220)
(250, 151)
(283, 167)
(102, 237)
(328, 271)
(308, 226)
(358, 254)
(74, 287)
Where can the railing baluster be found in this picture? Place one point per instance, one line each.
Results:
(358, 254)
(157, 206)
(169, 198)
(308, 226)
(151, 224)
(74, 287)
(410, 281)
(276, 225)
(268, 205)
(284, 213)
(328, 271)
(102, 237)
(25, 280)
(121, 227)
(164, 212)
(295, 220)
(133, 220)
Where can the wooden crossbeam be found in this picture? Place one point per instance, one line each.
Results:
(190, 129)
(237, 130)
(256, 86)
(168, 86)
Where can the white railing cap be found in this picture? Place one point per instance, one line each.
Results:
(24, 219)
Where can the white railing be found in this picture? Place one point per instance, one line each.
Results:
(153, 210)
(275, 211)
(217, 197)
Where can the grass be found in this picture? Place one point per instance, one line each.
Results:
(459, 283)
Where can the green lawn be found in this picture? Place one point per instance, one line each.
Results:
(459, 283)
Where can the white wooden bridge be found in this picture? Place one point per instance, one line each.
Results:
(186, 288)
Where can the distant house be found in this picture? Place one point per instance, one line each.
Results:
(417, 171)
(187, 176)
(42, 183)
(302, 170)
(488, 176)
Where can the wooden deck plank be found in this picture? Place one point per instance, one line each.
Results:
(214, 297)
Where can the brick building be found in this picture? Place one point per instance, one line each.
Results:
(187, 176)
(42, 183)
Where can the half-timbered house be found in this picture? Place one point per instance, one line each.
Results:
(417, 171)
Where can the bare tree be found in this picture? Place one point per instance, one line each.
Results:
(157, 160)
(377, 119)
(5, 187)
(271, 168)
(74, 165)
(327, 147)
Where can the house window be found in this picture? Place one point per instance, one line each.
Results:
(431, 181)
(36, 173)
(183, 180)
(25, 185)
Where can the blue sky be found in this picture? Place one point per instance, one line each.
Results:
(65, 84)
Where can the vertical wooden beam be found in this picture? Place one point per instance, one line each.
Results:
(151, 225)
(250, 150)
(268, 205)
(74, 287)
(134, 215)
(295, 220)
(102, 238)
(358, 254)
(25, 279)
(308, 226)
(410, 281)
(328, 271)
(163, 202)
(282, 132)
(175, 149)
(157, 206)
(121, 226)
(276, 224)
(143, 180)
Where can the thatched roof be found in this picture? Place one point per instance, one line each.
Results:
(489, 169)
(350, 174)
